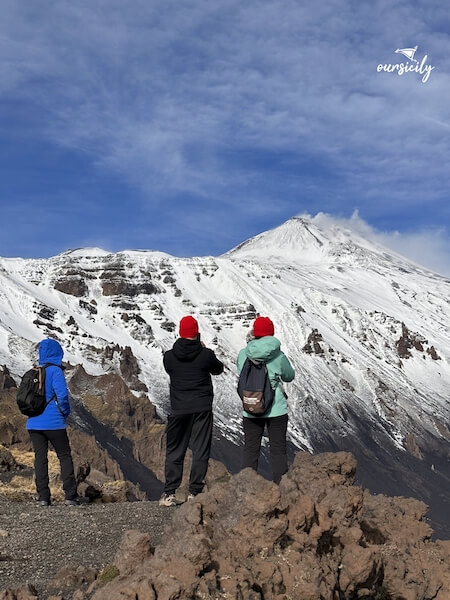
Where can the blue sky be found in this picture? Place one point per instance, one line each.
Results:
(190, 126)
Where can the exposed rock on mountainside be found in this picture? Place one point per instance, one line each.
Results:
(75, 286)
(315, 536)
(116, 282)
(129, 368)
(409, 341)
(313, 341)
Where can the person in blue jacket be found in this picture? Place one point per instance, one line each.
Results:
(50, 426)
(264, 347)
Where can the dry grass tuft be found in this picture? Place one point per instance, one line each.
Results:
(22, 487)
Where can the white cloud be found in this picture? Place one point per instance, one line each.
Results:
(427, 247)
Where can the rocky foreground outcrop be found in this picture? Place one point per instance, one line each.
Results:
(315, 537)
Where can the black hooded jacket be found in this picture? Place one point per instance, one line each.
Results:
(190, 366)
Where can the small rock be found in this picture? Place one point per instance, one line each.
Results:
(70, 577)
(24, 592)
(134, 548)
(7, 460)
(94, 586)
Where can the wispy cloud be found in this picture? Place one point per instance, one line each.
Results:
(428, 247)
(179, 99)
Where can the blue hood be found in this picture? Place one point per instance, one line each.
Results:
(50, 351)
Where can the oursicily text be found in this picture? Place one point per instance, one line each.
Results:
(402, 68)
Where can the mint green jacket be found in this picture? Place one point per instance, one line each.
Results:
(267, 349)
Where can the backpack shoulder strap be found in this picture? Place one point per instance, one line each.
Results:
(54, 397)
(41, 377)
(264, 365)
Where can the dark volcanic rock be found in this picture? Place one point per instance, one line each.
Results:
(129, 367)
(115, 283)
(6, 381)
(432, 352)
(49, 327)
(312, 345)
(408, 341)
(7, 460)
(74, 286)
(168, 326)
(88, 306)
(12, 422)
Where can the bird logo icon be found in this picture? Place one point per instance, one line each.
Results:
(408, 52)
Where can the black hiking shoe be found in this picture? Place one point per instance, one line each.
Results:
(77, 501)
(44, 503)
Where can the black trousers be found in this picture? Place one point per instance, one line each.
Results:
(253, 433)
(195, 428)
(60, 442)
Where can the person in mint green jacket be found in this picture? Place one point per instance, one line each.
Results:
(265, 347)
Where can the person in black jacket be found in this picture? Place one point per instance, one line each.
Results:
(190, 366)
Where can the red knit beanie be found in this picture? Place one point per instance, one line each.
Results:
(188, 327)
(263, 326)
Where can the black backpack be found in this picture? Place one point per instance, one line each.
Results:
(254, 388)
(31, 393)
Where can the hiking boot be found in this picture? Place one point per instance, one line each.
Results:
(44, 503)
(190, 497)
(77, 501)
(168, 500)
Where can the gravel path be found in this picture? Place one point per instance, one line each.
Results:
(35, 542)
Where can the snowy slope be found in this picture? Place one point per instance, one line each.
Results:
(366, 330)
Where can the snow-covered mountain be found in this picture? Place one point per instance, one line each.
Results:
(366, 330)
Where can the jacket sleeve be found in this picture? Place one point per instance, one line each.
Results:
(166, 362)
(215, 365)
(241, 360)
(287, 372)
(62, 393)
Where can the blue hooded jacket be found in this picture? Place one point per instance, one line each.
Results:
(50, 351)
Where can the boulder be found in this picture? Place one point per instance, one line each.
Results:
(70, 577)
(24, 592)
(7, 460)
(134, 548)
